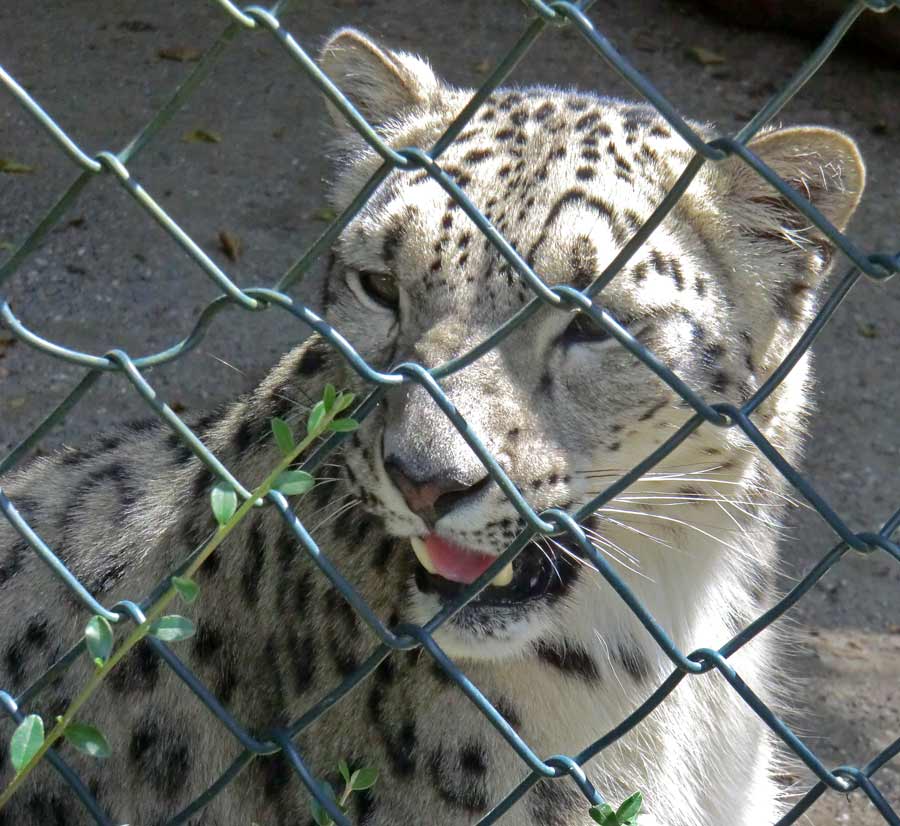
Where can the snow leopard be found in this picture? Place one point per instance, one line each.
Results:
(719, 292)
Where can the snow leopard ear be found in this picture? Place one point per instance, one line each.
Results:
(381, 84)
(823, 165)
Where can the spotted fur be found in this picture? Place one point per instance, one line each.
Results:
(719, 292)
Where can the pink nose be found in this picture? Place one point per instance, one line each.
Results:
(432, 498)
(420, 498)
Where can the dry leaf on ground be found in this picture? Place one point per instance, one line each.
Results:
(11, 167)
(201, 136)
(704, 56)
(230, 245)
(181, 54)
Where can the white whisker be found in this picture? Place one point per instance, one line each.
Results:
(227, 364)
(613, 670)
(340, 510)
(692, 525)
(769, 523)
(549, 557)
(618, 471)
(573, 556)
(329, 504)
(713, 480)
(601, 538)
(663, 500)
(638, 531)
(730, 516)
(607, 548)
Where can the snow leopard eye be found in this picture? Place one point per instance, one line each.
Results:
(380, 288)
(583, 330)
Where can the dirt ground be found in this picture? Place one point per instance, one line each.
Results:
(107, 276)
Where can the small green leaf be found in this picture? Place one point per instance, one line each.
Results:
(604, 815)
(329, 396)
(187, 589)
(87, 739)
(172, 628)
(224, 502)
(26, 740)
(293, 482)
(344, 769)
(315, 417)
(284, 438)
(98, 636)
(630, 808)
(344, 400)
(343, 425)
(319, 814)
(363, 779)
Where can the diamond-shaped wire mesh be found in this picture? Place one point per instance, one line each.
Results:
(115, 165)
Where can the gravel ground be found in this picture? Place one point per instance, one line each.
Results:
(108, 277)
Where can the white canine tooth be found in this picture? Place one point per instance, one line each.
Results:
(504, 577)
(421, 552)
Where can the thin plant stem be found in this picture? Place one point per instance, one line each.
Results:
(153, 613)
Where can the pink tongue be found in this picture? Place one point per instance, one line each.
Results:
(454, 562)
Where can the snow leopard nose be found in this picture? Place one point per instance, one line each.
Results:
(430, 498)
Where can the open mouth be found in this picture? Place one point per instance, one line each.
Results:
(445, 569)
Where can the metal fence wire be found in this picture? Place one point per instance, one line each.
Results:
(546, 17)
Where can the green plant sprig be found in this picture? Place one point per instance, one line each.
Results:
(29, 743)
(625, 815)
(354, 781)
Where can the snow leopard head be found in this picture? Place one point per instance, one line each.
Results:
(718, 292)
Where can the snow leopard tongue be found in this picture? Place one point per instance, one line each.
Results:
(454, 562)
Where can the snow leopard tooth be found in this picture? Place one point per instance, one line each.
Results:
(421, 552)
(504, 577)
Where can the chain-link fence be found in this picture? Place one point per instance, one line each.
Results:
(547, 16)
